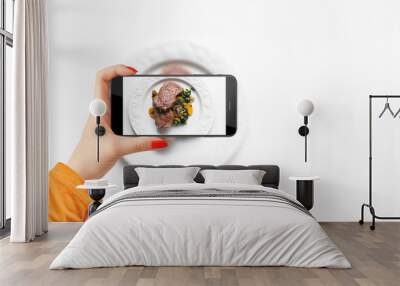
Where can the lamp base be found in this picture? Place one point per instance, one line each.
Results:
(304, 131)
(100, 130)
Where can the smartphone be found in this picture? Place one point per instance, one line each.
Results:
(174, 105)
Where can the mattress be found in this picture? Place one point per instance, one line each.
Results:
(201, 225)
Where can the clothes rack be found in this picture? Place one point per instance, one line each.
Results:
(370, 203)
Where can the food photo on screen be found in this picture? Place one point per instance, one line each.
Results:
(174, 105)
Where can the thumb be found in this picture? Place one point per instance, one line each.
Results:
(128, 145)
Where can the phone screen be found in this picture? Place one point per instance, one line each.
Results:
(175, 105)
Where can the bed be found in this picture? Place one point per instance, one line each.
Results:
(201, 224)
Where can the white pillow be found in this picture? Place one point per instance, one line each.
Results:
(163, 176)
(248, 177)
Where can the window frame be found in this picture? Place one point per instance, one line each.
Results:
(6, 39)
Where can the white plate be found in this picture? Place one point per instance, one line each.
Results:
(200, 122)
(193, 150)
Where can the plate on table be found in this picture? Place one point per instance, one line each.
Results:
(190, 150)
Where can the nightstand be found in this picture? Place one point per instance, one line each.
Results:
(305, 190)
(96, 193)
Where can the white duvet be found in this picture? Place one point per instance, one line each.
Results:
(200, 231)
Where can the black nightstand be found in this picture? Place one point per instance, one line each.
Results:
(305, 190)
(96, 193)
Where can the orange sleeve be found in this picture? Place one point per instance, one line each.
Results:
(66, 203)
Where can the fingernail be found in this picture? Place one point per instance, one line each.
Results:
(158, 144)
(131, 69)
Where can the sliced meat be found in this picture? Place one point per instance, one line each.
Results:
(164, 120)
(166, 97)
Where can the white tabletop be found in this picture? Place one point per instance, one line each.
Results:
(309, 178)
(93, 187)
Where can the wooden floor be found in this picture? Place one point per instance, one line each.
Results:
(375, 257)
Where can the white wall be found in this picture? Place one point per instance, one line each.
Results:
(335, 53)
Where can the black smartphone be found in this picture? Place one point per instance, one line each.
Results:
(174, 105)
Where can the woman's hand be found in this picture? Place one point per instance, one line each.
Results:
(112, 147)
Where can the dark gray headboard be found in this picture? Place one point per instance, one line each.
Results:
(271, 177)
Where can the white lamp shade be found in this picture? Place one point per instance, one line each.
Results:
(305, 107)
(97, 107)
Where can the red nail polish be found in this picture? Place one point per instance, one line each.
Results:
(131, 69)
(158, 144)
